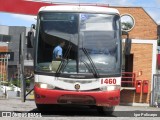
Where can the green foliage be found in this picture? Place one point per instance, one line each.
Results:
(28, 83)
(127, 25)
(18, 83)
(5, 83)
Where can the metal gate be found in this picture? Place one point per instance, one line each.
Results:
(156, 90)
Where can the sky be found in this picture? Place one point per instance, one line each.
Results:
(152, 7)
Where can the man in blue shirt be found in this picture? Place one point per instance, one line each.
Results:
(58, 51)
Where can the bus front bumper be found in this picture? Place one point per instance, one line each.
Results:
(98, 98)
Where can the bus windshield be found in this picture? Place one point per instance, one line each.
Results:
(92, 44)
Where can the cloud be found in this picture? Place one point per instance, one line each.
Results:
(158, 1)
(24, 17)
(117, 2)
(158, 22)
(154, 15)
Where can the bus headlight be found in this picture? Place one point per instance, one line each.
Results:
(110, 88)
(44, 86)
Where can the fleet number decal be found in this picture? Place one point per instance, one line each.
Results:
(108, 81)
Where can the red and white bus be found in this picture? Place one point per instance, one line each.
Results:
(91, 69)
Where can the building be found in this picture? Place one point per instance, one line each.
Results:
(142, 60)
(9, 44)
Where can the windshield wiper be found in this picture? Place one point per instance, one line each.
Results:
(88, 67)
(63, 63)
(95, 72)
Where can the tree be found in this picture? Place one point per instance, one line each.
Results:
(126, 25)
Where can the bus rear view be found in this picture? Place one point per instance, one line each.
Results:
(89, 71)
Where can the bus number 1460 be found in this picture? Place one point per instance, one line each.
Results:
(108, 81)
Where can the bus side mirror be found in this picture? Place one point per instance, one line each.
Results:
(125, 33)
(127, 48)
(30, 38)
(33, 26)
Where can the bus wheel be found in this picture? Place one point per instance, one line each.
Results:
(105, 110)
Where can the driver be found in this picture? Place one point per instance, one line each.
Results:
(58, 51)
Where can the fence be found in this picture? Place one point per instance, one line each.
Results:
(128, 79)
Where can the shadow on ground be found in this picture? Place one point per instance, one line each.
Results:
(68, 111)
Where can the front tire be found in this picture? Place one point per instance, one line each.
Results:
(103, 110)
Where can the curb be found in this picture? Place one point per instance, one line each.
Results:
(135, 104)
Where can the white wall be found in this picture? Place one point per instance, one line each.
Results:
(4, 30)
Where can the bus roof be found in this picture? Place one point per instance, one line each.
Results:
(74, 8)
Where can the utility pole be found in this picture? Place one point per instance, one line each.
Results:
(6, 56)
(18, 81)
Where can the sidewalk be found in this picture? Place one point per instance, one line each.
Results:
(14, 95)
(2, 95)
(136, 108)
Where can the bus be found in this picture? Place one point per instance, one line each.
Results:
(90, 72)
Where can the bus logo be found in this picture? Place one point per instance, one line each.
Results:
(77, 86)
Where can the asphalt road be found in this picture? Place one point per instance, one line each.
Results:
(20, 109)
